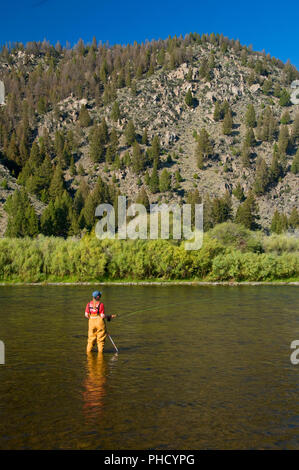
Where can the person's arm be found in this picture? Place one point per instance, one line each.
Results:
(102, 313)
(87, 311)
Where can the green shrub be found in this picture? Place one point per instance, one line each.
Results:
(229, 252)
(281, 243)
(236, 235)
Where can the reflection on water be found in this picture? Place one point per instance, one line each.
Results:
(94, 385)
(98, 366)
(198, 368)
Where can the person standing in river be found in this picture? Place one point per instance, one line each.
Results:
(97, 331)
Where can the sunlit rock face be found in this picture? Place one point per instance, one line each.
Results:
(295, 92)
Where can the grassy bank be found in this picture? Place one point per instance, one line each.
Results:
(229, 253)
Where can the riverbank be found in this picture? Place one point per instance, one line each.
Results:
(229, 255)
(156, 283)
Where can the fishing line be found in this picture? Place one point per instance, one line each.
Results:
(157, 307)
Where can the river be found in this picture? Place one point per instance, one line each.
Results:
(198, 368)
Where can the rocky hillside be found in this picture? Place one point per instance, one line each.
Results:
(217, 73)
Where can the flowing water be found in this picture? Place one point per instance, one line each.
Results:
(198, 368)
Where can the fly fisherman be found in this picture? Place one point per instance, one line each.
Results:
(97, 330)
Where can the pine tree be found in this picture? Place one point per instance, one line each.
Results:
(245, 155)
(293, 221)
(161, 57)
(267, 126)
(104, 71)
(118, 163)
(44, 175)
(113, 140)
(250, 138)
(275, 222)
(285, 98)
(22, 219)
(96, 146)
(130, 133)
(189, 75)
(42, 105)
(134, 88)
(238, 192)
(204, 147)
(225, 108)
(275, 168)
(66, 156)
(217, 112)
(204, 70)
(48, 220)
(142, 198)
(227, 123)
(285, 118)
(103, 132)
(13, 151)
(127, 160)
(155, 149)
(78, 202)
(57, 185)
(261, 176)
(63, 215)
(138, 161)
(84, 117)
(146, 178)
(221, 209)
(56, 218)
(189, 98)
(110, 155)
(295, 128)
(250, 116)
(154, 180)
(267, 87)
(99, 195)
(284, 139)
(279, 223)
(165, 181)
(247, 212)
(295, 164)
(35, 155)
(193, 198)
(277, 90)
(32, 228)
(59, 142)
(115, 111)
(244, 57)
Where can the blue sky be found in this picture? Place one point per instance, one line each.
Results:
(269, 25)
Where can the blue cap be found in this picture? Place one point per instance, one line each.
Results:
(96, 294)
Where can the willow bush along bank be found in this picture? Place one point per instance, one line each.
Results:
(89, 259)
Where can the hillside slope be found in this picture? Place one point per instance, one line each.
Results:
(216, 71)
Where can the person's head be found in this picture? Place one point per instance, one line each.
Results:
(97, 295)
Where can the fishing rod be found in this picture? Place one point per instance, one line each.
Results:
(113, 343)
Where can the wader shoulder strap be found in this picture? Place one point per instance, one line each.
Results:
(98, 307)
